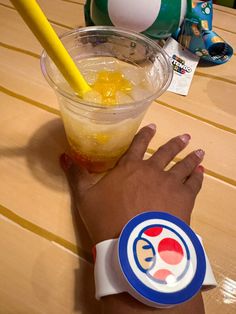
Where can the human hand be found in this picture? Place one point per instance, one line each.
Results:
(136, 185)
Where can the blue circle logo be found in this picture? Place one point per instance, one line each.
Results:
(161, 258)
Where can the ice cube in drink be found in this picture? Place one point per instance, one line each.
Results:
(99, 135)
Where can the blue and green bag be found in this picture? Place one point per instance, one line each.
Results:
(196, 34)
(162, 19)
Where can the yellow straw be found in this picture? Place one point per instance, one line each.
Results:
(39, 25)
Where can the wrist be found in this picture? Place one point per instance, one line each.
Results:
(110, 230)
(123, 303)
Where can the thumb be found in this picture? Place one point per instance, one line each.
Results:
(78, 177)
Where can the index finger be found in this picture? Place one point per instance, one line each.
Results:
(140, 143)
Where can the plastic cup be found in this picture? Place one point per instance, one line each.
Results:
(99, 135)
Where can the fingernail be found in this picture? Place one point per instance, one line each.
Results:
(200, 153)
(200, 168)
(152, 126)
(65, 161)
(185, 138)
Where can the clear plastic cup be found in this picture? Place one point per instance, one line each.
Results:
(98, 135)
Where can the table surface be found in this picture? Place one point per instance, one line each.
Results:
(45, 261)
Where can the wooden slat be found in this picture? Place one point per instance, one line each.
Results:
(9, 31)
(38, 277)
(19, 71)
(67, 13)
(213, 219)
(224, 9)
(215, 206)
(6, 2)
(11, 25)
(221, 72)
(75, 1)
(62, 12)
(219, 158)
(221, 252)
(205, 100)
(31, 143)
(225, 21)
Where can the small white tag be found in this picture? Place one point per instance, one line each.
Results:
(184, 65)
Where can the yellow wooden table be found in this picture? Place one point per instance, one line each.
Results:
(45, 263)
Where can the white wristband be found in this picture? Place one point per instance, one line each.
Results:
(110, 277)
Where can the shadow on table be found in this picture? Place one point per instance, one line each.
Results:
(225, 101)
(42, 156)
(205, 64)
(43, 152)
(44, 149)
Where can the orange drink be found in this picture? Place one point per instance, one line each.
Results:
(126, 72)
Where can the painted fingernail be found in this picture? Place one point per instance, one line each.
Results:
(65, 161)
(200, 153)
(200, 168)
(185, 138)
(152, 126)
